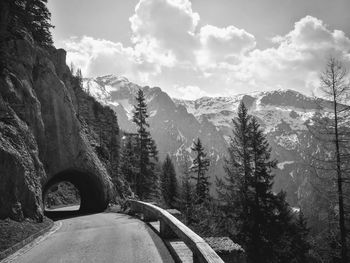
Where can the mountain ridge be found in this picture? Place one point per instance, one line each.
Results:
(175, 123)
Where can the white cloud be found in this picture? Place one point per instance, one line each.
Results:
(298, 59)
(165, 29)
(96, 57)
(312, 33)
(223, 44)
(187, 92)
(170, 49)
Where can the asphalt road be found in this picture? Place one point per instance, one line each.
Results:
(103, 237)
(65, 208)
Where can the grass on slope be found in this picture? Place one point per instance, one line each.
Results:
(12, 232)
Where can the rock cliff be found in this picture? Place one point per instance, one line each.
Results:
(48, 125)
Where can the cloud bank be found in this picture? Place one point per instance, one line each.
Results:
(172, 50)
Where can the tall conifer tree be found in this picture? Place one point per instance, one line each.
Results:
(257, 218)
(261, 185)
(128, 159)
(168, 181)
(146, 180)
(32, 16)
(233, 188)
(199, 167)
(186, 193)
(37, 20)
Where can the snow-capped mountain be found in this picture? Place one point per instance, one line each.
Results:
(175, 123)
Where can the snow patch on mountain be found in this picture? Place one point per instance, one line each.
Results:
(282, 164)
(175, 123)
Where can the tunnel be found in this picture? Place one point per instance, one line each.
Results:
(91, 189)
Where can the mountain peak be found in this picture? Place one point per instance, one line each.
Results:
(111, 79)
(176, 122)
(287, 98)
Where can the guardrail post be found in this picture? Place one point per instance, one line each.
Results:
(132, 207)
(165, 231)
(148, 216)
(197, 259)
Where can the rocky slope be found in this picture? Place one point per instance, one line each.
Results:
(176, 123)
(48, 125)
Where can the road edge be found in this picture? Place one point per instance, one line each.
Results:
(11, 250)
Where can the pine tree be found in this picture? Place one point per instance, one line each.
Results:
(257, 218)
(79, 78)
(20, 17)
(233, 188)
(168, 181)
(146, 179)
(300, 243)
(32, 16)
(37, 21)
(77, 81)
(185, 199)
(72, 68)
(114, 150)
(199, 167)
(127, 161)
(261, 189)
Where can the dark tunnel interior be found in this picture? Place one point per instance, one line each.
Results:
(91, 191)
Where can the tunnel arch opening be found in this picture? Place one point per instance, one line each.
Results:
(62, 195)
(90, 189)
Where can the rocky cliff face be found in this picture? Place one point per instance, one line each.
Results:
(46, 128)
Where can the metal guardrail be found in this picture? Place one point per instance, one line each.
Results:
(171, 227)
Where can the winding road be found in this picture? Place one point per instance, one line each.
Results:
(103, 237)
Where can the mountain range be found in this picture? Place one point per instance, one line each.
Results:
(175, 123)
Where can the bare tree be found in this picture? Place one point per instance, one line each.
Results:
(333, 131)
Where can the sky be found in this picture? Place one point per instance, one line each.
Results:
(202, 48)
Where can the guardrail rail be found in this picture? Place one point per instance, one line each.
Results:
(171, 227)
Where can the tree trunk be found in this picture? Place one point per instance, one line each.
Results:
(339, 181)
